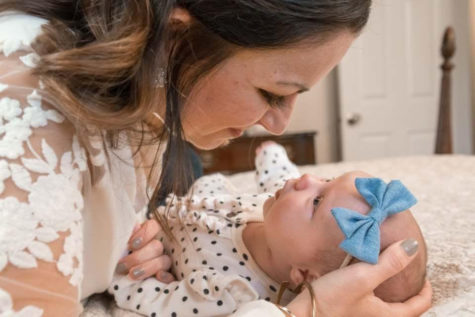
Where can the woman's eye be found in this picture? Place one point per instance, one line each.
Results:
(273, 100)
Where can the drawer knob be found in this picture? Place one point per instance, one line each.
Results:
(353, 119)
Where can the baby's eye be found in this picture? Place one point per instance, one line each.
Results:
(317, 200)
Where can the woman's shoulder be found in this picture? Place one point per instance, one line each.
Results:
(26, 109)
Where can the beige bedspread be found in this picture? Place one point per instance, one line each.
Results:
(445, 188)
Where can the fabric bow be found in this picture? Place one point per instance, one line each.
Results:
(362, 232)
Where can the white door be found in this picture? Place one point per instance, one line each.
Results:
(389, 82)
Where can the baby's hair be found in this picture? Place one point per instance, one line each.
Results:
(408, 282)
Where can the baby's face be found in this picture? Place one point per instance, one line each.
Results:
(298, 222)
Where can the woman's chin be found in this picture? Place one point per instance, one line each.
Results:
(214, 140)
(208, 144)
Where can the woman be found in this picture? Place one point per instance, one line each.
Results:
(84, 86)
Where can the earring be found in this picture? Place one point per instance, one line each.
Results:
(161, 79)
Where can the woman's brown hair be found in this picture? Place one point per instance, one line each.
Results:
(100, 58)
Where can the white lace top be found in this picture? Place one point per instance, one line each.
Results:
(67, 208)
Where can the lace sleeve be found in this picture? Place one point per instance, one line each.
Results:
(41, 165)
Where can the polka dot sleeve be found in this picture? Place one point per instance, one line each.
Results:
(273, 168)
(201, 293)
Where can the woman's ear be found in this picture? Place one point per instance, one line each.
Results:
(180, 15)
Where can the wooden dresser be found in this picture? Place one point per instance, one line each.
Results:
(239, 155)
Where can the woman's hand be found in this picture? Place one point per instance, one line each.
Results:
(146, 258)
(349, 291)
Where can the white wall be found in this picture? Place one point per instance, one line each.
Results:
(472, 36)
(318, 108)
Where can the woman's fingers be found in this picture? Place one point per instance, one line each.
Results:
(414, 306)
(392, 261)
(145, 234)
(151, 267)
(357, 283)
(151, 250)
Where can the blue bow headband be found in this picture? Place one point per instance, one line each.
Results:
(362, 232)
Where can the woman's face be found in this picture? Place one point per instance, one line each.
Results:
(256, 87)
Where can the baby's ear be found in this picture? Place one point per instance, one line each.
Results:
(299, 275)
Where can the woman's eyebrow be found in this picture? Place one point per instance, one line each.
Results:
(301, 87)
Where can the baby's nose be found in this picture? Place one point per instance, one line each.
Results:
(303, 182)
(308, 180)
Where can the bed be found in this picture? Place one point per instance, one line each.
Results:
(445, 188)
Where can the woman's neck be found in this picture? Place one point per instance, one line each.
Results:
(255, 241)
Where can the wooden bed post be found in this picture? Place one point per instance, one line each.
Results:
(444, 128)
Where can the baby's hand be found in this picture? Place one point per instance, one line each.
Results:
(264, 145)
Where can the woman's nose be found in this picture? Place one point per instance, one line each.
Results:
(276, 120)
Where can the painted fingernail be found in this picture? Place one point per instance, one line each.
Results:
(138, 272)
(410, 246)
(121, 268)
(136, 243)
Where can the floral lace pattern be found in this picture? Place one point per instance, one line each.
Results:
(6, 307)
(55, 189)
(54, 201)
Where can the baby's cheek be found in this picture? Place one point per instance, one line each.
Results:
(292, 226)
(278, 221)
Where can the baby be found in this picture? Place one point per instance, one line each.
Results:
(229, 248)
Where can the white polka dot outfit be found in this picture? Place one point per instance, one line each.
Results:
(214, 269)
